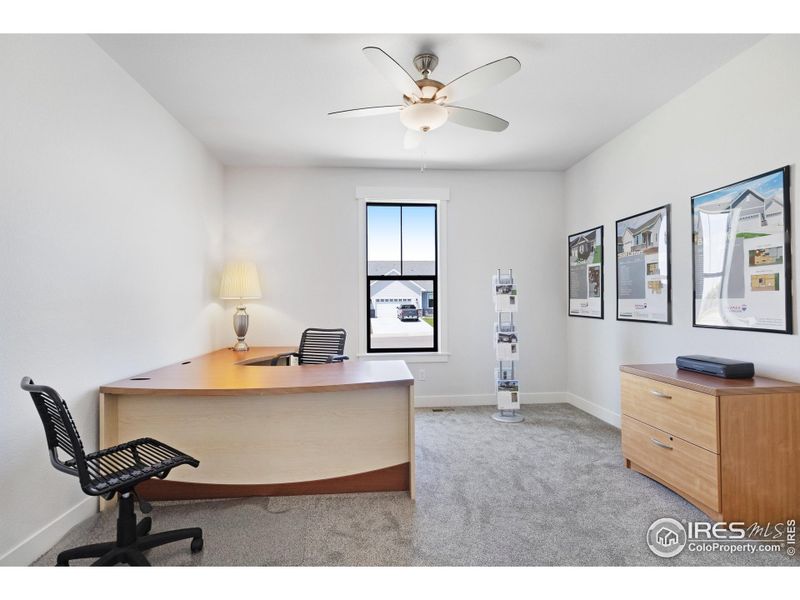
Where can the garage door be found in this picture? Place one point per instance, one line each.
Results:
(387, 309)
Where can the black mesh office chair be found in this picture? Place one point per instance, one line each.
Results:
(318, 346)
(110, 472)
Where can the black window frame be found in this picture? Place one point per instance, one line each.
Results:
(433, 278)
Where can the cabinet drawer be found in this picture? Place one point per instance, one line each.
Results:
(684, 413)
(688, 469)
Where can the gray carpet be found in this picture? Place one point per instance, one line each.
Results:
(549, 491)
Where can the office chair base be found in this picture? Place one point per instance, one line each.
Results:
(108, 553)
(132, 539)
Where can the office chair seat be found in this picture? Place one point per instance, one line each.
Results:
(108, 473)
(130, 463)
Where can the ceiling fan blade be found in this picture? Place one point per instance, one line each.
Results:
(370, 111)
(476, 119)
(392, 71)
(479, 79)
(412, 139)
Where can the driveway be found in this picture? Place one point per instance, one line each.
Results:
(391, 332)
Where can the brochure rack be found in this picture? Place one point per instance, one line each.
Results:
(506, 343)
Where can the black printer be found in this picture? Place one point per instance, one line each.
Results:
(718, 367)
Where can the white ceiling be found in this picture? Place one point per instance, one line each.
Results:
(263, 99)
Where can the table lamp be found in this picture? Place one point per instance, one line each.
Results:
(240, 282)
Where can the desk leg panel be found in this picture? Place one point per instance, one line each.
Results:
(333, 441)
(108, 432)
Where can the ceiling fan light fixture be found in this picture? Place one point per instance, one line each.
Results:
(429, 91)
(423, 116)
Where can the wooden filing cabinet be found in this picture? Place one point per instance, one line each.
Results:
(731, 447)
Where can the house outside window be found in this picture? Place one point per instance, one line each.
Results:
(401, 277)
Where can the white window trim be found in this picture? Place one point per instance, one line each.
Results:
(438, 196)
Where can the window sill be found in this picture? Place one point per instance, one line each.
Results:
(409, 357)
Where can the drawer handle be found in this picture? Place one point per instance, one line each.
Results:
(660, 444)
(658, 394)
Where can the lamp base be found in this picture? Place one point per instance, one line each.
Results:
(241, 321)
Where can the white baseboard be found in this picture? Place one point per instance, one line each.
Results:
(594, 409)
(486, 399)
(587, 406)
(40, 542)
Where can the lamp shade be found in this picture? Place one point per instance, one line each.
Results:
(240, 282)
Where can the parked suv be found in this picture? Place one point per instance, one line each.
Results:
(407, 312)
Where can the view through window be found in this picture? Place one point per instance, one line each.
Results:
(402, 277)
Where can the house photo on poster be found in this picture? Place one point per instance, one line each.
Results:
(643, 267)
(742, 255)
(586, 273)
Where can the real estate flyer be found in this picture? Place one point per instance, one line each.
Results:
(507, 400)
(643, 267)
(740, 255)
(507, 347)
(505, 296)
(507, 390)
(586, 273)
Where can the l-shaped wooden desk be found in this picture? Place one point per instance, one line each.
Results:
(259, 430)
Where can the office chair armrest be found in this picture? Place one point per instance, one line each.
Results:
(337, 358)
(286, 355)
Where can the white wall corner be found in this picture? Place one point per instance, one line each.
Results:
(593, 409)
(34, 546)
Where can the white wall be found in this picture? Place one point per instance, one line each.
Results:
(301, 226)
(740, 121)
(110, 236)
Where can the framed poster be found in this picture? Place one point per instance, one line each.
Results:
(741, 251)
(585, 265)
(644, 277)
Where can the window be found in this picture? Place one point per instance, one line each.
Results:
(402, 277)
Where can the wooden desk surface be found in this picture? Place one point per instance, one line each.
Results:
(708, 384)
(226, 373)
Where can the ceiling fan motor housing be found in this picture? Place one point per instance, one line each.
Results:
(426, 63)
(425, 113)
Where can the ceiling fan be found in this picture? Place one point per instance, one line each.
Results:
(427, 103)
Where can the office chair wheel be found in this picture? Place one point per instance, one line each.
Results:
(143, 527)
(197, 545)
